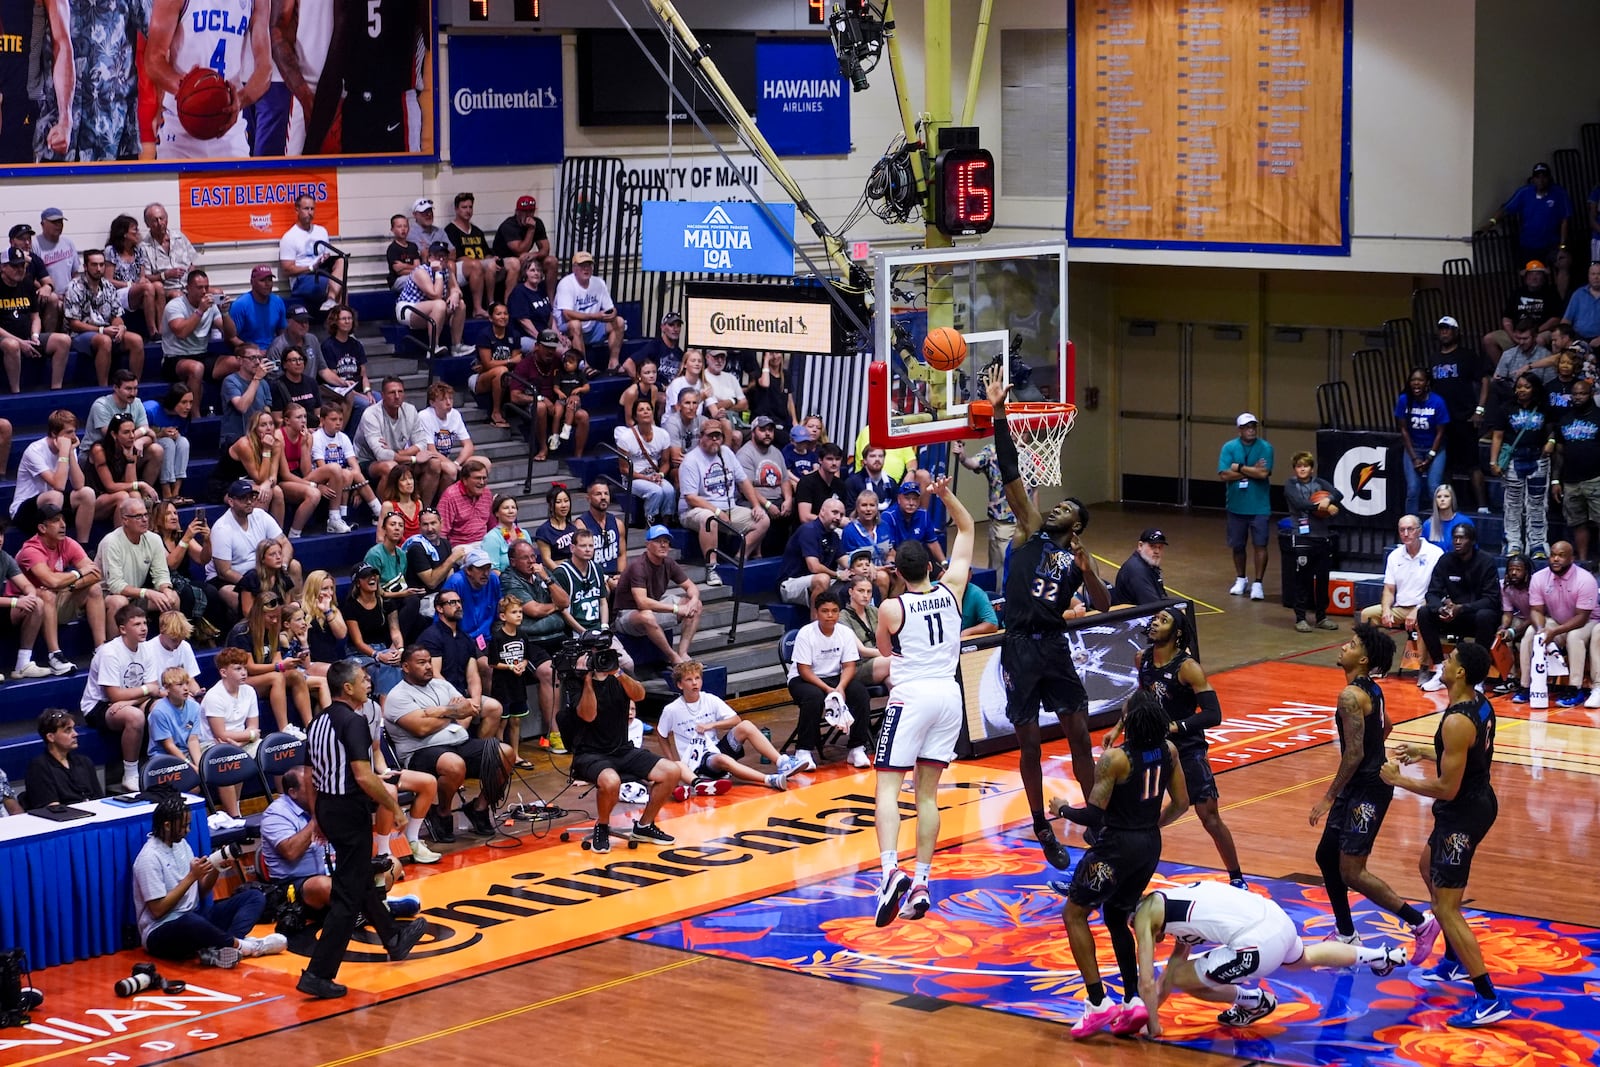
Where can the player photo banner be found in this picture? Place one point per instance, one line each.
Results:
(251, 207)
(499, 84)
(158, 85)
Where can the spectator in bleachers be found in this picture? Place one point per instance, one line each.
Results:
(710, 485)
(49, 474)
(112, 473)
(1516, 620)
(293, 384)
(1523, 467)
(501, 346)
(430, 299)
(819, 434)
(402, 255)
(1139, 578)
(860, 616)
(26, 606)
(52, 560)
(256, 456)
(176, 730)
(183, 546)
(123, 681)
(1525, 355)
(444, 432)
(44, 287)
(610, 534)
(430, 558)
(663, 351)
(245, 393)
(477, 271)
(170, 645)
(800, 454)
(1463, 602)
(522, 239)
(654, 594)
(909, 521)
(234, 539)
(692, 376)
(590, 316)
(423, 231)
(682, 425)
(303, 486)
(327, 631)
(399, 493)
(571, 385)
(124, 400)
(1541, 209)
(131, 273)
(1574, 451)
(479, 588)
(259, 315)
(723, 385)
(1420, 415)
(58, 253)
(824, 663)
(644, 388)
(978, 616)
(466, 508)
(1458, 378)
(315, 271)
(1444, 518)
(186, 325)
(1583, 309)
(389, 434)
(542, 620)
(769, 394)
(335, 466)
(505, 532)
(60, 774)
(1537, 299)
(553, 538)
(1562, 600)
(94, 316)
(372, 628)
(814, 558)
(869, 530)
(134, 563)
(269, 575)
(387, 557)
(1567, 365)
(455, 653)
(529, 302)
(21, 322)
(297, 334)
(533, 386)
(280, 680)
(870, 474)
(822, 484)
(763, 465)
(168, 251)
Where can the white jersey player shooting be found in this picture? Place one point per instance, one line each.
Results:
(228, 36)
(920, 632)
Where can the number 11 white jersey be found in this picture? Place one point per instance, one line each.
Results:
(928, 644)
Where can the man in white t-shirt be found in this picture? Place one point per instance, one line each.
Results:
(123, 682)
(822, 673)
(58, 253)
(589, 315)
(1406, 574)
(50, 475)
(444, 433)
(709, 483)
(233, 543)
(723, 386)
(304, 251)
(707, 739)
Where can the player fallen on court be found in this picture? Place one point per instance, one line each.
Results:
(1126, 808)
(707, 739)
(1048, 563)
(1169, 670)
(1357, 798)
(1253, 938)
(1464, 810)
(920, 632)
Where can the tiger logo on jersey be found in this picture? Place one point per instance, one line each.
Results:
(1453, 852)
(1361, 816)
(1053, 564)
(1099, 875)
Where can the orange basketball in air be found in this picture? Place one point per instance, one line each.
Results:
(205, 104)
(944, 348)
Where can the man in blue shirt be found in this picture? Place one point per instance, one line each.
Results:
(1542, 209)
(244, 392)
(479, 587)
(259, 316)
(813, 558)
(908, 521)
(1583, 310)
(291, 848)
(1245, 467)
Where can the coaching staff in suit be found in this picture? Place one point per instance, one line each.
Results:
(348, 793)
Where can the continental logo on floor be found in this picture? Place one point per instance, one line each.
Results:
(538, 901)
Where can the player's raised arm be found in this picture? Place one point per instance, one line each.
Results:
(959, 569)
(1005, 453)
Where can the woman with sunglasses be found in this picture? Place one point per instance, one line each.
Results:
(278, 679)
(373, 630)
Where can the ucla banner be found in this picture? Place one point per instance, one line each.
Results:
(505, 101)
(802, 104)
(723, 237)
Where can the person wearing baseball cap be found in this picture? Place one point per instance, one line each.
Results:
(429, 298)
(1139, 579)
(908, 520)
(1244, 466)
(423, 231)
(38, 277)
(260, 315)
(665, 350)
(59, 254)
(711, 484)
(21, 314)
(1541, 209)
(234, 538)
(655, 596)
(1458, 379)
(522, 239)
(592, 322)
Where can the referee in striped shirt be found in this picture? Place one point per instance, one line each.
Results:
(348, 794)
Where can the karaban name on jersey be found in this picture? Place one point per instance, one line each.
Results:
(928, 643)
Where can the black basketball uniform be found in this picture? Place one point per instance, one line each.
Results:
(1118, 868)
(18, 109)
(1459, 824)
(1180, 701)
(1036, 657)
(1357, 813)
(380, 42)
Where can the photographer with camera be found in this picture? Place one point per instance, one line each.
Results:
(596, 729)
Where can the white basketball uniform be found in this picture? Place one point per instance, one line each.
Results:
(215, 34)
(1253, 935)
(313, 34)
(923, 717)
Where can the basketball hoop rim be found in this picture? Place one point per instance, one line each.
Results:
(1035, 414)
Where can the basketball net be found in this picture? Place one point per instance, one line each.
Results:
(1038, 429)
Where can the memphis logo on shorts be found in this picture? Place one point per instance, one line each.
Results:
(1099, 875)
(1361, 816)
(1453, 852)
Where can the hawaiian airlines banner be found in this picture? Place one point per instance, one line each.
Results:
(505, 101)
(251, 207)
(155, 85)
(802, 104)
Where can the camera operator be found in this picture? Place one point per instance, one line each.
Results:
(597, 732)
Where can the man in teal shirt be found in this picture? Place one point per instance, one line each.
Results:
(1245, 468)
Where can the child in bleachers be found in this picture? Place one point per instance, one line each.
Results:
(533, 386)
(571, 384)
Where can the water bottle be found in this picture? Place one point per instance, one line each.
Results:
(768, 735)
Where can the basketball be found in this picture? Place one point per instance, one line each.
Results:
(1321, 497)
(944, 348)
(205, 104)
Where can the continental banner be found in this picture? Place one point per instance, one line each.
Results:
(1215, 127)
(252, 207)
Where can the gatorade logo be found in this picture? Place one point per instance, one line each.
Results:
(1361, 475)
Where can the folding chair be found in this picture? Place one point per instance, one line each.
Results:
(168, 772)
(275, 755)
(224, 765)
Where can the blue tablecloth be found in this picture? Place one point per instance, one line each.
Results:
(66, 889)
